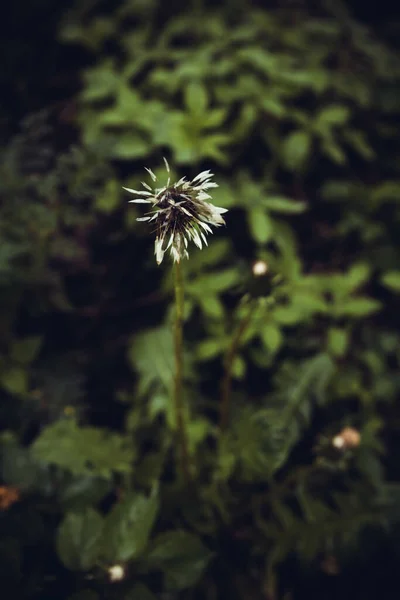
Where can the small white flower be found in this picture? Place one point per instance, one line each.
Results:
(180, 212)
(116, 572)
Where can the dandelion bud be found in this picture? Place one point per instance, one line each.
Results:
(116, 572)
(180, 213)
(347, 439)
(260, 267)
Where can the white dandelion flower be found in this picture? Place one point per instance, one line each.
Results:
(181, 213)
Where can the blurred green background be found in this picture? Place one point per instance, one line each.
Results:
(294, 106)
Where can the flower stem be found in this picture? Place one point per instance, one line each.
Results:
(226, 383)
(178, 387)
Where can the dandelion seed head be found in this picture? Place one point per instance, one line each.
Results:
(181, 213)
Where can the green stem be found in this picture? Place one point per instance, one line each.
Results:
(226, 384)
(178, 387)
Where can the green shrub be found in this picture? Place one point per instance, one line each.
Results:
(291, 376)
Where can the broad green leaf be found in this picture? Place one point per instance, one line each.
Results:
(151, 354)
(260, 224)
(101, 82)
(296, 150)
(82, 491)
(271, 336)
(128, 526)
(196, 99)
(79, 539)
(181, 556)
(338, 340)
(209, 349)
(84, 450)
(14, 380)
(391, 279)
(213, 283)
(24, 351)
(335, 114)
(211, 306)
(358, 274)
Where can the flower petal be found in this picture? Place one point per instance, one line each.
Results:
(154, 178)
(140, 192)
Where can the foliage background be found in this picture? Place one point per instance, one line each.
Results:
(294, 106)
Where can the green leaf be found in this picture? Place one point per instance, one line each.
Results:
(296, 150)
(358, 307)
(26, 350)
(272, 337)
(129, 146)
(209, 349)
(260, 224)
(391, 279)
(196, 99)
(181, 556)
(84, 450)
(283, 205)
(101, 82)
(238, 367)
(151, 353)
(338, 341)
(358, 140)
(358, 274)
(128, 526)
(335, 114)
(332, 149)
(14, 380)
(109, 198)
(78, 540)
(213, 283)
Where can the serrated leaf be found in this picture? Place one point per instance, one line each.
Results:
(78, 539)
(128, 526)
(151, 353)
(84, 450)
(181, 556)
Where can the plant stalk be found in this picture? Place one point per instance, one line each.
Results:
(184, 462)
